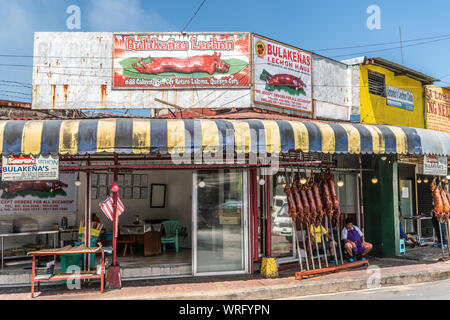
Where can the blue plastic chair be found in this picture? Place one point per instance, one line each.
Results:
(402, 247)
(171, 229)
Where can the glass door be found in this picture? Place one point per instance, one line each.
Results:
(406, 204)
(220, 222)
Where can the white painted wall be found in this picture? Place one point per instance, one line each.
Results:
(83, 62)
(178, 202)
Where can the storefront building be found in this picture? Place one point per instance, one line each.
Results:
(220, 175)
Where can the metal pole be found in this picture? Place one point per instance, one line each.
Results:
(317, 246)
(339, 239)
(304, 246)
(309, 242)
(294, 230)
(442, 242)
(324, 246)
(332, 238)
(446, 229)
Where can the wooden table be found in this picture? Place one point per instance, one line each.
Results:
(151, 241)
(67, 276)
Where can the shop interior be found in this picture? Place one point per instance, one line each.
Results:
(154, 201)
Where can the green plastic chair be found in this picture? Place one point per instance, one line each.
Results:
(171, 228)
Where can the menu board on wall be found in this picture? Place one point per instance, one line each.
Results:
(22, 197)
(281, 75)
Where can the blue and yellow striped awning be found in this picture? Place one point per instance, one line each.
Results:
(145, 136)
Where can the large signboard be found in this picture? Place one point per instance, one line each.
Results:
(27, 197)
(433, 165)
(399, 98)
(29, 168)
(438, 109)
(282, 75)
(155, 60)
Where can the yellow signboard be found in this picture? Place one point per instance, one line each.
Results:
(438, 108)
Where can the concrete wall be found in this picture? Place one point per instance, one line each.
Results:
(334, 93)
(74, 70)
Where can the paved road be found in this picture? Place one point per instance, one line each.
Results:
(439, 290)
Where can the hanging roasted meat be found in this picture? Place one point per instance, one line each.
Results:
(298, 201)
(334, 198)
(311, 201)
(445, 202)
(437, 198)
(290, 201)
(317, 198)
(305, 202)
(328, 203)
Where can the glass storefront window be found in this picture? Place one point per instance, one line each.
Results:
(281, 223)
(220, 233)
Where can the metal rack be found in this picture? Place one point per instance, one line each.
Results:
(2, 236)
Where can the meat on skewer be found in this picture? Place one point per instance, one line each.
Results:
(327, 199)
(291, 201)
(298, 202)
(437, 198)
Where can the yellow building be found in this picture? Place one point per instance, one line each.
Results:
(392, 94)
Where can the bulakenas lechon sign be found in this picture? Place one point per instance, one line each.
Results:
(157, 60)
(281, 75)
(28, 167)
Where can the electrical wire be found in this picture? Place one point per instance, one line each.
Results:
(193, 16)
(392, 48)
(381, 44)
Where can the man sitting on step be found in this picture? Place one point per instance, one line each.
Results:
(354, 241)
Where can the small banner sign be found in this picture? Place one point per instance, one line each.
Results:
(28, 168)
(433, 165)
(399, 98)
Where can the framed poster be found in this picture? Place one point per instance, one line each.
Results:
(136, 180)
(127, 193)
(144, 180)
(94, 193)
(102, 179)
(110, 178)
(136, 192)
(144, 193)
(157, 195)
(127, 180)
(94, 179)
(102, 192)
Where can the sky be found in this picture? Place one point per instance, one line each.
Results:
(310, 25)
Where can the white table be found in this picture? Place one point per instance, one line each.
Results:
(419, 224)
(21, 234)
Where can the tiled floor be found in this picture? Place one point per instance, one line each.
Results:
(169, 257)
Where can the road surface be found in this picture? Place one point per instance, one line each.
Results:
(438, 290)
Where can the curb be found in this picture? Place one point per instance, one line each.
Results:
(300, 288)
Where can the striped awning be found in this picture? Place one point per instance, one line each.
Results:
(145, 136)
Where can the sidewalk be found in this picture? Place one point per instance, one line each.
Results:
(382, 272)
